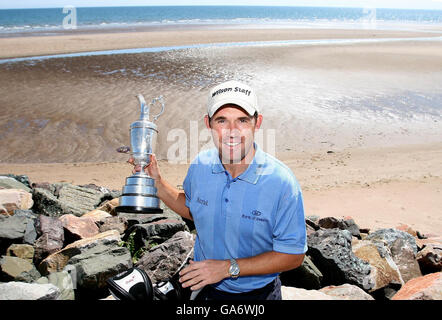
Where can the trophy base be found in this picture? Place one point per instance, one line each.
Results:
(135, 209)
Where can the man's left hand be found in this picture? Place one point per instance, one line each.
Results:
(201, 273)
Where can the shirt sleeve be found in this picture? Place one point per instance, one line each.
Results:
(289, 232)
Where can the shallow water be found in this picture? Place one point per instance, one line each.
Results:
(80, 108)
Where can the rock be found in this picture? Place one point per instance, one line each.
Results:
(12, 199)
(22, 251)
(63, 281)
(110, 205)
(162, 262)
(306, 276)
(428, 287)
(58, 260)
(331, 252)
(18, 228)
(97, 215)
(407, 229)
(348, 224)
(77, 228)
(291, 293)
(45, 246)
(51, 237)
(17, 269)
(113, 223)
(95, 264)
(346, 292)
(64, 198)
(134, 218)
(389, 236)
(430, 258)
(155, 232)
(28, 291)
(11, 183)
(383, 269)
(404, 257)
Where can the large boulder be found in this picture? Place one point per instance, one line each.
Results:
(19, 228)
(23, 251)
(390, 235)
(343, 224)
(383, 269)
(153, 233)
(17, 269)
(428, 287)
(28, 291)
(9, 182)
(63, 281)
(346, 292)
(163, 261)
(58, 260)
(405, 258)
(95, 264)
(306, 276)
(331, 252)
(15, 199)
(77, 228)
(51, 237)
(430, 258)
(63, 198)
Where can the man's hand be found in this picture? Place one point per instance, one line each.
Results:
(151, 169)
(201, 273)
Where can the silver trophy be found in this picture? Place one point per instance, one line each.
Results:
(139, 193)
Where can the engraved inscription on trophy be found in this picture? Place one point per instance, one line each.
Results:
(139, 193)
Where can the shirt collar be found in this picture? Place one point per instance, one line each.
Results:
(253, 171)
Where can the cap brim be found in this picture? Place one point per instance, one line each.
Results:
(240, 103)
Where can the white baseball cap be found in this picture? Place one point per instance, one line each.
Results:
(232, 92)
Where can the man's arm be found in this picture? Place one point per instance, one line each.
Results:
(172, 197)
(202, 273)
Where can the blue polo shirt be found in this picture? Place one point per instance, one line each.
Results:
(261, 210)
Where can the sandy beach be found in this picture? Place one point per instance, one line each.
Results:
(358, 123)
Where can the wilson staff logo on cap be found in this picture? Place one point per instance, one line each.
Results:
(232, 92)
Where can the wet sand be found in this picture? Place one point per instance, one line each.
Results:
(377, 106)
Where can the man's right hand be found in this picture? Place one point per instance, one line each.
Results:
(151, 169)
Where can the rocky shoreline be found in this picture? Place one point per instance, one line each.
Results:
(61, 242)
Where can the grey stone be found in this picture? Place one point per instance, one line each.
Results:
(163, 261)
(65, 198)
(63, 281)
(306, 276)
(28, 291)
(96, 263)
(404, 257)
(155, 232)
(348, 224)
(18, 228)
(134, 218)
(331, 252)
(11, 183)
(430, 258)
(17, 269)
(390, 235)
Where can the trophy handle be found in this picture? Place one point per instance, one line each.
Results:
(161, 101)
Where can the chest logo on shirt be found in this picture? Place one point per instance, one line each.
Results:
(254, 216)
(203, 202)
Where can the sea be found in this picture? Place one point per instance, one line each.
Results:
(84, 18)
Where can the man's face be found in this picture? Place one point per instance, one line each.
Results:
(233, 132)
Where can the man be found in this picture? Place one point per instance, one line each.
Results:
(246, 205)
